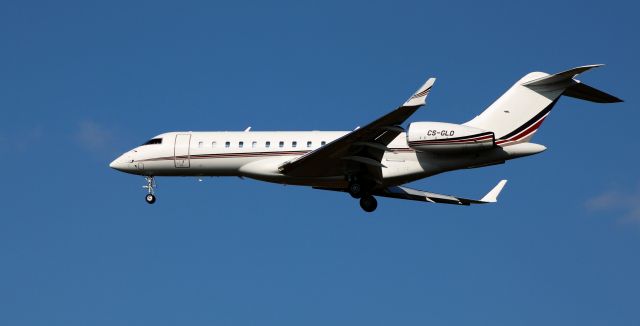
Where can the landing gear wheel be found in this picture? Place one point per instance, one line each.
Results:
(368, 203)
(355, 190)
(150, 198)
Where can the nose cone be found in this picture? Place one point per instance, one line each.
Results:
(122, 163)
(115, 165)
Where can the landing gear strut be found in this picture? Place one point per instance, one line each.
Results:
(355, 189)
(361, 188)
(151, 184)
(368, 203)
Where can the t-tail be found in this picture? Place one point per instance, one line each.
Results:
(516, 116)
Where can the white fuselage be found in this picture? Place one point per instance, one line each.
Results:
(377, 159)
(258, 155)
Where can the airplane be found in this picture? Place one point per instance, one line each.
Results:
(377, 159)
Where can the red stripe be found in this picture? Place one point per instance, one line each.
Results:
(451, 141)
(523, 134)
(247, 154)
(444, 141)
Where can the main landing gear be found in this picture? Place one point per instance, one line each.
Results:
(151, 184)
(368, 203)
(355, 189)
(360, 188)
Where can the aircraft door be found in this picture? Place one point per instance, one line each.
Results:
(181, 150)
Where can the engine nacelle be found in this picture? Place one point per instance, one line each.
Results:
(448, 137)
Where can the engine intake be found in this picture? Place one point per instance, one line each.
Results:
(448, 137)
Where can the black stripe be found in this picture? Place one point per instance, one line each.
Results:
(532, 121)
(449, 143)
(458, 138)
(228, 155)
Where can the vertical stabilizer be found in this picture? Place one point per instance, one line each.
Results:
(517, 114)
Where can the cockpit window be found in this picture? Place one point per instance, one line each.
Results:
(153, 141)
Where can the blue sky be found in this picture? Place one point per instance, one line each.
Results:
(82, 82)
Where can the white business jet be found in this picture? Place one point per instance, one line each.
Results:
(377, 159)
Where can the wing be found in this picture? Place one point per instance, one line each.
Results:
(361, 150)
(413, 194)
(419, 195)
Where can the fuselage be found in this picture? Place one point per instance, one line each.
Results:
(259, 154)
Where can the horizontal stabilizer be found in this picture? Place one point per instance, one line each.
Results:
(572, 87)
(560, 77)
(588, 93)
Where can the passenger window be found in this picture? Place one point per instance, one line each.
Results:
(227, 144)
(281, 144)
(322, 143)
(240, 144)
(200, 144)
(213, 144)
(254, 144)
(309, 144)
(267, 144)
(294, 144)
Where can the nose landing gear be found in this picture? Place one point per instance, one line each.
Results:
(150, 198)
(151, 184)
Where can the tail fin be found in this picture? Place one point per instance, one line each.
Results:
(518, 113)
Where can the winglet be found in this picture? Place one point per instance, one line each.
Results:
(492, 196)
(420, 96)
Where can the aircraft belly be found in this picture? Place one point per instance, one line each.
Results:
(399, 164)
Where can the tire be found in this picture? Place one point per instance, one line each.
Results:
(355, 190)
(150, 198)
(368, 203)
